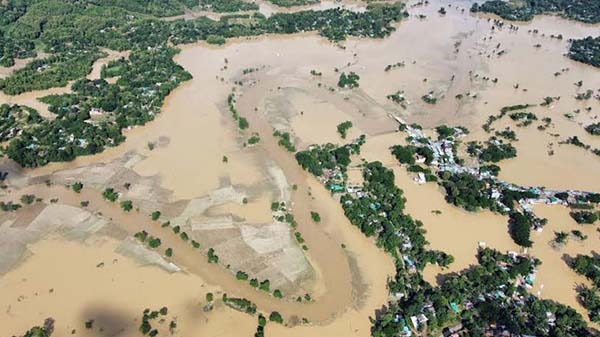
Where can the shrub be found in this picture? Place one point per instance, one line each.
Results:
(276, 317)
(77, 187)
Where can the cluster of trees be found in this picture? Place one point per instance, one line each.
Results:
(585, 217)
(285, 140)
(348, 81)
(16, 118)
(240, 304)
(242, 122)
(586, 50)
(520, 229)
(406, 154)
(148, 316)
(524, 10)
(144, 82)
(507, 134)
(73, 33)
(467, 191)
(494, 150)
(589, 266)
(524, 118)
(380, 212)
(222, 6)
(448, 132)
(487, 127)
(290, 3)
(343, 128)
(328, 157)
(593, 129)
(45, 330)
(54, 71)
(479, 297)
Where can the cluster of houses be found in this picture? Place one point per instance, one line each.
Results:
(445, 160)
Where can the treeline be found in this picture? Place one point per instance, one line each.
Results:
(524, 10)
(53, 71)
(589, 266)
(586, 50)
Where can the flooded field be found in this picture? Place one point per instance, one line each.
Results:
(194, 150)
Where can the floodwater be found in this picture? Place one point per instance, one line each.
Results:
(456, 54)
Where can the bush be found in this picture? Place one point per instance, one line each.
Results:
(584, 217)
(77, 187)
(277, 293)
(265, 285)
(110, 195)
(27, 199)
(126, 205)
(169, 252)
(276, 317)
(155, 215)
(154, 242)
(315, 216)
(240, 275)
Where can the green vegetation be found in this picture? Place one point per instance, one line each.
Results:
(493, 151)
(348, 81)
(240, 304)
(110, 194)
(126, 205)
(343, 128)
(212, 257)
(466, 190)
(93, 116)
(240, 275)
(14, 119)
(77, 187)
(169, 252)
(589, 266)
(429, 98)
(27, 199)
(265, 285)
(290, 3)
(151, 241)
(285, 140)
(524, 10)
(315, 216)
(406, 154)
(586, 50)
(155, 215)
(446, 132)
(277, 293)
(254, 139)
(148, 316)
(276, 317)
(41, 331)
(593, 129)
(223, 6)
(53, 71)
(524, 118)
(328, 157)
(520, 229)
(398, 98)
(585, 217)
(507, 134)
